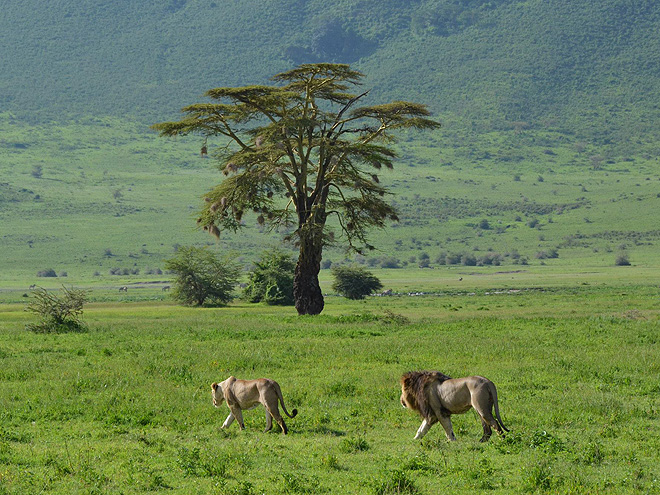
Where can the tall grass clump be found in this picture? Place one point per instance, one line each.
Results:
(396, 482)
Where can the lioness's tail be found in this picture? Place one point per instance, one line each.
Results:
(279, 396)
(497, 407)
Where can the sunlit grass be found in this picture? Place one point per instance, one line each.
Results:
(126, 407)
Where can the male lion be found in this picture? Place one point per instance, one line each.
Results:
(248, 394)
(437, 396)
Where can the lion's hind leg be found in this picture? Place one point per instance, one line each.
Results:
(487, 420)
(487, 431)
(269, 421)
(274, 413)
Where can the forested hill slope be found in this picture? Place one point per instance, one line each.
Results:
(585, 67)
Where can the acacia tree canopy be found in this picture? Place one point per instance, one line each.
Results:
(306, 139)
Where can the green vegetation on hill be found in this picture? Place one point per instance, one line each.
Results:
(586, 67)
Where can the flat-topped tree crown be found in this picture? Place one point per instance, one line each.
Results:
(300, 152)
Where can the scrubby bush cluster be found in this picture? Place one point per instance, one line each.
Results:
(487, 259)
(124, 271)
(57, 313)
(622, 259)
(465, 258)
(548, 254)
(47, 273)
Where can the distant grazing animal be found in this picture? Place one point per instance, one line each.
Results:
(437, 396)
(123, 289)
(33, 286)
(166, 287)
(242, 395)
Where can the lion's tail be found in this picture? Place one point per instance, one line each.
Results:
(281, 399)
(497, 407)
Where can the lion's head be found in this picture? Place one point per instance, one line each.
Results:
(217, 394)
(414, 386)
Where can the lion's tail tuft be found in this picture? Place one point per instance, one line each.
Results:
(293, 413)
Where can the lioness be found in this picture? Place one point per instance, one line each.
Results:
(437, 396)
(248, 394)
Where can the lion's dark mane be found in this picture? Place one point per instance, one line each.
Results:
(414, 385)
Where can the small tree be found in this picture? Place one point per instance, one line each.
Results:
(202, 277)
(354, 282)
(271, 280)
(58, 314)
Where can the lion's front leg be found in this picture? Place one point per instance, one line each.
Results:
(424, 428)
(238, 415)
(445, 421)
(228, 421)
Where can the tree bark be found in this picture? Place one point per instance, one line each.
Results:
(306, 289)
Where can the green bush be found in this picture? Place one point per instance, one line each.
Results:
(58, 314)
(271, 279)
(354, 282)
(47, 273)
(201, 277)
(622, 259)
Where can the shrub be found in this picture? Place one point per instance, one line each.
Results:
(469, 259)
(453, 259)
(47, 273)
(549, 254)
(490, 259)
(622, 259)
(58, 314)
(200, 277)
(354, 282)
(390, 262)
(271, 279)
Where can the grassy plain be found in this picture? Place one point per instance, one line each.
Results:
(88, 197)
(126, 408)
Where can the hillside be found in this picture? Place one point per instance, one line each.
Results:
(587, 68)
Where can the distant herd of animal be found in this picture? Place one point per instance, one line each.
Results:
(434, 395)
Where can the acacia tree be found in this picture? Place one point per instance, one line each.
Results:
(308, 139)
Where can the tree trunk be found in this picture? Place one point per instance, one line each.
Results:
(306, 289)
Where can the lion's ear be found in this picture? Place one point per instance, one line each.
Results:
(214, 386)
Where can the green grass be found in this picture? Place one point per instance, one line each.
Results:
(112, 196)
(126, 407)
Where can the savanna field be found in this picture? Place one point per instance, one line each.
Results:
(126, 407)
(526, 250)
